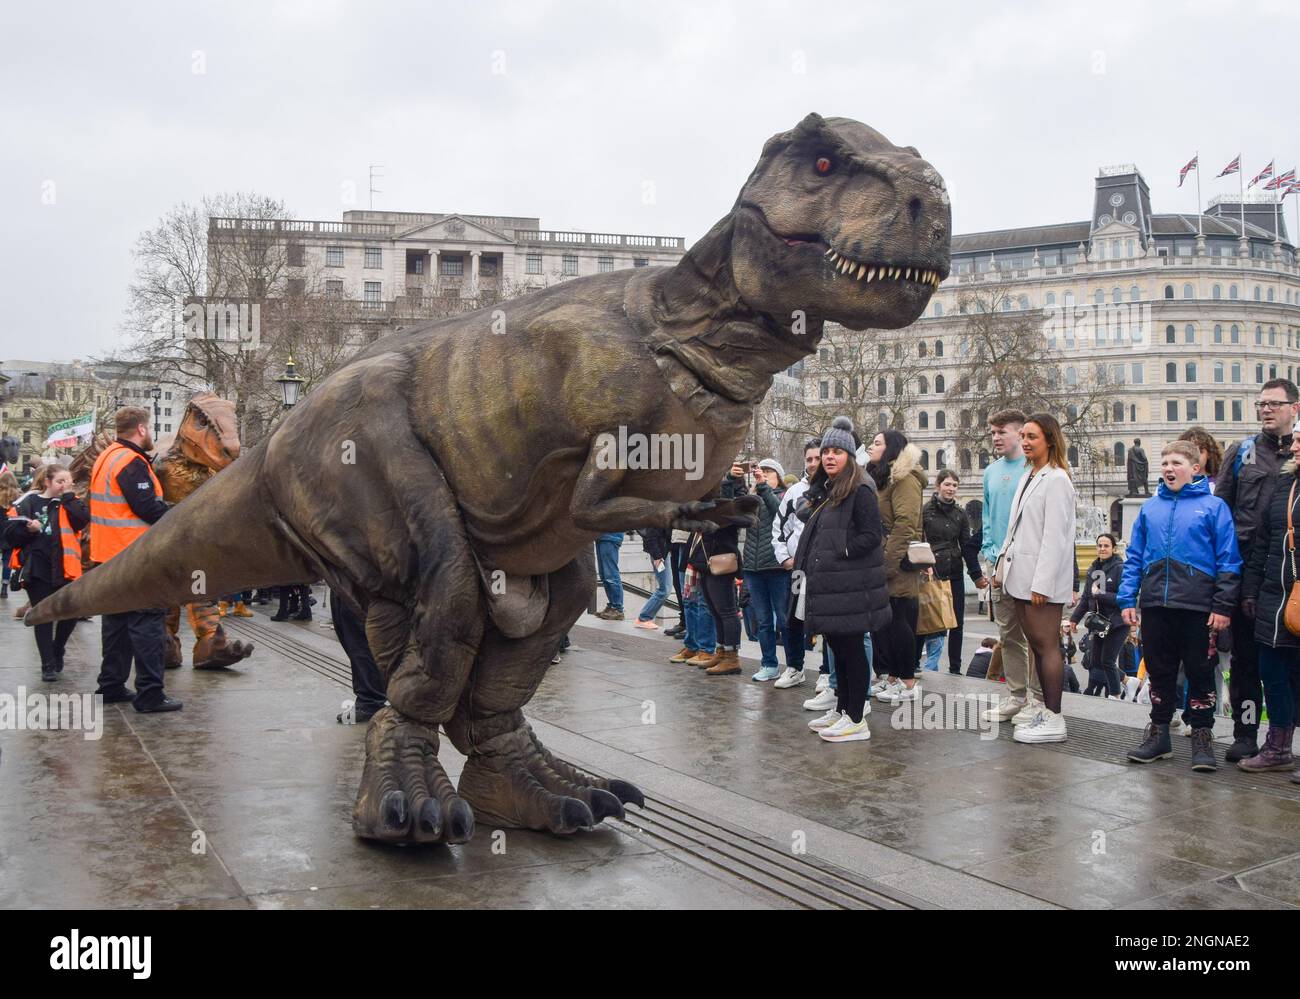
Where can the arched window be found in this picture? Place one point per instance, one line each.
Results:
(922, 349)
(1218, 372)
(1232, 291)
(924, 385)
(965, 461)
(925, 458)
(882, 422)
(923, 421)
(1119, 453)
(1218, 333)
(882, 389)
(1134, 295)
(1187, 291)
(1270, 294)
(1235, 333)
(898, 386)
(964, 419)
(1236, 372)
(1169, 291)
(1259, 374)
(1072, 413)
(1170, 334)
(1189, 333)
(1099, 297)
(938, 383)
(1022, 303)
(1049, 298)
(1216, 292)
(938, 459)
(1115, 296)
(1006, 304)
(1171, 370)
(1069, 299)
(1256, 293)
(984, 458)
(938, 308)
(940, 420)
(1117, 412)
(1072, 455)
(1272, 336)
(1071, 376)
(1189, 371)
(938, 349)
(982, 382)
(1259, 335)
(964, 384)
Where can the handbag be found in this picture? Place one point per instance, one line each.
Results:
(1291, 613)
(919, 553)
(724, 564)
(935, 612)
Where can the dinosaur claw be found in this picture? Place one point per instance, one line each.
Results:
(628, 794)
(605, 805)
(573, 815)
(460, 822)
(393, 812)
(429, 823)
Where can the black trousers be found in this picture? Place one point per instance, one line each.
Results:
(720, 595)
(677, 565)
(368, 683)
(894, 646)
(958, 587)
(1244, 691)
(1102, 663)
(51, 639)
(1173, 638)
(852, 674)
(141, 634)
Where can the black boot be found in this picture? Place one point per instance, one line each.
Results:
(1155, 745)
(282, 614)
(1244, 746)
(48, 673)
(58, 660)
(1203, 750)
(4, 590)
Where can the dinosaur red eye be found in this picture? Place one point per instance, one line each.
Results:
(823, 164)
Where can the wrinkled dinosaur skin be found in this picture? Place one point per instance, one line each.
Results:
(446, 460)
(206, 441)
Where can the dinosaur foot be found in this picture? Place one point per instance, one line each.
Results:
(405, 795)
(513, 781)
(226, 655)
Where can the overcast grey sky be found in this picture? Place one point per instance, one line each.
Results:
(1015, 104)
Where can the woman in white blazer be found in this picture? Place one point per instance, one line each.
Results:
(1036, 566)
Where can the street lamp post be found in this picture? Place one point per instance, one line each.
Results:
(156, 392)
(290, 384)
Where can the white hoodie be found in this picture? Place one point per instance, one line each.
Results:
(786, 527)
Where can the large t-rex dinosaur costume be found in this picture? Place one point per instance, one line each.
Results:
(448, 480)
(206, 441)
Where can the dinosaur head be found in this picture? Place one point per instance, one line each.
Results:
(209, 433)
(839, 222)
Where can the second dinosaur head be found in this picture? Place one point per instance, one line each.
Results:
(837, 221)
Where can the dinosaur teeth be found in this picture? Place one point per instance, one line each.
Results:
(862, 269)
(871, 274)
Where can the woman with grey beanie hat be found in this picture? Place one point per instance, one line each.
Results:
(840, 590)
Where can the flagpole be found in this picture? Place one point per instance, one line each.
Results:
(1241, 186)
(1199, 203)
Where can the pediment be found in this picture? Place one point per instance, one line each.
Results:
(455, 227)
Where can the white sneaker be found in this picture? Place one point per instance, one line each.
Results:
(790, 677)
(823, 681)
(1028, 713)
(1005, 709)
(821, 701)
(847, 730)
(830, 718)
(889, 692)
(1047, 726)
(877, 686)
(912, 693)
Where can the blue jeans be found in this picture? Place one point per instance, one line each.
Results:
(933, 650)
(701, 633)
(607, 546)
(1280, 671)
(660, 594)
(769, 592)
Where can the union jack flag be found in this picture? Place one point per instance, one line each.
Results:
(1182, 174)
(1293, 189)
(1232, 167)
(1280, 181)
(1266, 172)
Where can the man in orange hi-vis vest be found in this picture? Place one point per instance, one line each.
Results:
(125, 498)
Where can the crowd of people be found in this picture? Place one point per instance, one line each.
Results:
(856, 553)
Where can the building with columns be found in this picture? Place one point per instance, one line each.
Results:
(1185, 316)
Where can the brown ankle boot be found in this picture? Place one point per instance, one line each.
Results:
(683, 655)
(1276, 754)
(704, 659)
(727, 663)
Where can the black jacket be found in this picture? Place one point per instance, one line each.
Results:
(655, 541)
(1105, 603)
(1268, 574)
(841, 556)
(947, 528)
(758, 554)
(38, 548)
(1248, 489)
(722, 541)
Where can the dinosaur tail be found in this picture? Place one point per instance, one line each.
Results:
(221, 539)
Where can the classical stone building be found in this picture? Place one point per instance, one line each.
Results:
(1182, 316)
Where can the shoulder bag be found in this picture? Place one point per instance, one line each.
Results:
(1291, 614)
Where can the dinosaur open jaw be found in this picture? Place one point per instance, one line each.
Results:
(874, 271)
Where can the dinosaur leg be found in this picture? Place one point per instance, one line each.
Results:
(172, 646)
(510, 778)
(425, 646)
(212, 648)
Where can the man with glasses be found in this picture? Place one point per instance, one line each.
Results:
(1246, 482)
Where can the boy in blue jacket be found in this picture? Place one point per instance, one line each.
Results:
(1182, 564)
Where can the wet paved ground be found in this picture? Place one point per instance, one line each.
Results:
(244, 800)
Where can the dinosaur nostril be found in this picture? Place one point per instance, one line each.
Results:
(914, 208)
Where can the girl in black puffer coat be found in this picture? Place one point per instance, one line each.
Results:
(1269, 576)
(839, 588)
(1101, 597)
(947, 528)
